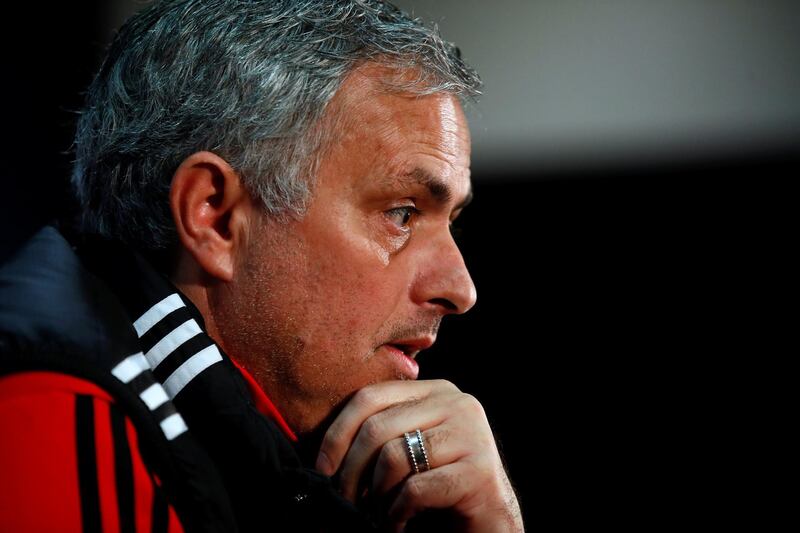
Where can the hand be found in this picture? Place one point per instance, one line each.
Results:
(466, 477)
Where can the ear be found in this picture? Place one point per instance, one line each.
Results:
(211, 210)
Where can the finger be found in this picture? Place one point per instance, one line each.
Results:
(443, 444)
(386, 426)
(441, 488)
(366, 402)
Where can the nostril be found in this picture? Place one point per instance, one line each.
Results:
(444, 302)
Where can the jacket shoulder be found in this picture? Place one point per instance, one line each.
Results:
(70, 459)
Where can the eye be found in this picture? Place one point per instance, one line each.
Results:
(402, 215)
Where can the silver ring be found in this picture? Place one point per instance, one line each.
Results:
(416, 451)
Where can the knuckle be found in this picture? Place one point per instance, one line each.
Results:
(470, 403)
(372, 430)
(446, 386)
(390, 457)
(365, 397)
(330, 439)
(413, 489)
(450, 485)
(484, 471)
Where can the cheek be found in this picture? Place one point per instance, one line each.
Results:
(352, 288)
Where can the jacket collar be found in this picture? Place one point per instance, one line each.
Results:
(170, 328)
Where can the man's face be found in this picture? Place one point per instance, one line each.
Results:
(318, 303)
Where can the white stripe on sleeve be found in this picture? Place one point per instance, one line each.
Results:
(130, 367)
(173, 425)
(171, 342)
(154, 396)
(190, 369)
(157, 312)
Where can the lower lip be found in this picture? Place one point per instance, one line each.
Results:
(408, 366)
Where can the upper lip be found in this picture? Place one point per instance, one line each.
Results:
(411, 347)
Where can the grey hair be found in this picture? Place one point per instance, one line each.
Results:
(247, 80)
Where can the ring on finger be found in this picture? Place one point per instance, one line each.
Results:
(417, 454)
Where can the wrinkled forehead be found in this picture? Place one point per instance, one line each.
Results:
(380, 135)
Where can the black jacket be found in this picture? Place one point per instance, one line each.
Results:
(103, 314)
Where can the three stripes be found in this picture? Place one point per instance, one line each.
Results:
(175, 351)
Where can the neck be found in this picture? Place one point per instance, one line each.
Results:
(189, 281)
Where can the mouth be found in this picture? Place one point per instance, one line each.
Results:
(404, 363)
(405, 352)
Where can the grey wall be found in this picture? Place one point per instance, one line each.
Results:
(571, 81)
(580, 83)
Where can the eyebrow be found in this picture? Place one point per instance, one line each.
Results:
(440, 191)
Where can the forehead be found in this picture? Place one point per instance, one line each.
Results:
(389, 133)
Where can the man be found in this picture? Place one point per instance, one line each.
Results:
(293, 169)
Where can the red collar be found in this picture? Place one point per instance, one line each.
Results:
(264, 404)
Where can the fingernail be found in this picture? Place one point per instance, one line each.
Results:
(324, 464)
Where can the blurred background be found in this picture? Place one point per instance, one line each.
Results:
(630, 165)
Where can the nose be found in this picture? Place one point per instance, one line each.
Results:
(443, 279)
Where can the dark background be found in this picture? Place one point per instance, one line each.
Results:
(624, 319)
(615, 301)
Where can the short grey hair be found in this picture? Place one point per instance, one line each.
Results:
(247, 80)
